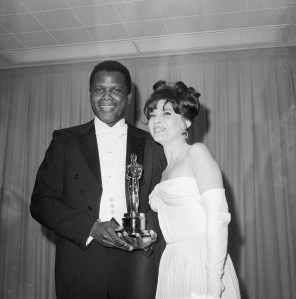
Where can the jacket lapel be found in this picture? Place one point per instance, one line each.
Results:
(89, 149)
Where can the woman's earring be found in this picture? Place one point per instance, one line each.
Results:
(184, 134)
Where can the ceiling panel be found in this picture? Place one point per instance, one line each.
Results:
(76, 3)
(218, 6)
(267, 17)
(58, 19)
(59, 31)
(3, 30)
(146, 28)
(37, 5)
(97, 15)
(262, 4)
(108, 32)
(72, 36)
(20, 23)
(231, 20)
(138, 10)
(172, 9)
(36, 39)
(185, 25)
(11, 7)
(8, 42)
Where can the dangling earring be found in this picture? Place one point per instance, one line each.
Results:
(184, 134)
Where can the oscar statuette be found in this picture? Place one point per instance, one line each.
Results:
(133, 221)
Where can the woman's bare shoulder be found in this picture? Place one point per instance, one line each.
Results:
(200, 150)
(204, 167)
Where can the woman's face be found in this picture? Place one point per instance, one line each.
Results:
(164, 124)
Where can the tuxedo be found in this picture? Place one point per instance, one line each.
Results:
(66, 199)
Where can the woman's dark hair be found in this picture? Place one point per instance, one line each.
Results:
(112, 66)
(185, 100)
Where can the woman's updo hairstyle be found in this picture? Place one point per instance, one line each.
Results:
(185, 100)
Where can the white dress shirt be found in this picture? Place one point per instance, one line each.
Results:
(112, 154)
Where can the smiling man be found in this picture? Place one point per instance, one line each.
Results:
(80, 194)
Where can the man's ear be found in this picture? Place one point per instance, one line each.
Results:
(129, 98)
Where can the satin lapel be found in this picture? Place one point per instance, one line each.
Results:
(90, 152)
(135, 145)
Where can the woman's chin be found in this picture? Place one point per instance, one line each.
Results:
(158, 139)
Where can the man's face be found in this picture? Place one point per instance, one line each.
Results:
(109, 97)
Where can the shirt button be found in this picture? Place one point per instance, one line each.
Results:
(112, 212)
(112, 206)
(111, 199)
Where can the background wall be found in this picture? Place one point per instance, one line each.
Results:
(248, 120)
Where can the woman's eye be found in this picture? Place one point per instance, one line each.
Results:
(151, 115)
(166, 113)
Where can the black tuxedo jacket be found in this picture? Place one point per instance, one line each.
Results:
(67, 193)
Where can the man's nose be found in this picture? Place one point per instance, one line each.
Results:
(107, 94)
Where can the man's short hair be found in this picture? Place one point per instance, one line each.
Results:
(112, 66)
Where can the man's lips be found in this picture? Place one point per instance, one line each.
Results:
(106, 107)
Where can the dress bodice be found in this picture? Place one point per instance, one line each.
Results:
(195, 229)
(180, 212)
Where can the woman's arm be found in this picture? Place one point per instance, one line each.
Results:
(209, 180)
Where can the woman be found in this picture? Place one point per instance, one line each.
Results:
(190, 201)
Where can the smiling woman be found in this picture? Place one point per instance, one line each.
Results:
(190, 202)
(171, 109)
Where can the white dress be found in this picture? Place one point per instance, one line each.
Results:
(191, 265)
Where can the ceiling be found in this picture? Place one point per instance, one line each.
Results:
(34, 32)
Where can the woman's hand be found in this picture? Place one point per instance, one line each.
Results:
(138, 242)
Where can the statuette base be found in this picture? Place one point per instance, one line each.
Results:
(134, 223)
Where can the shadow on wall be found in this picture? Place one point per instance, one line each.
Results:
(200, 126)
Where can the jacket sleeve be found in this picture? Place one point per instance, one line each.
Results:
(218, 218)
(48, 205)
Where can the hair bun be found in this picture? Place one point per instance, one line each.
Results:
(180, 87)
(158, 84)
(195, 94)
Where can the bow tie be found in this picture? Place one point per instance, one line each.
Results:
(117, 130)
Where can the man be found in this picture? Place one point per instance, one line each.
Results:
(80, 193)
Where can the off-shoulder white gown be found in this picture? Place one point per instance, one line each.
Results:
(191, 264)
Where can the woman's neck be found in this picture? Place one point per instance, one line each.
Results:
(174, 150)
